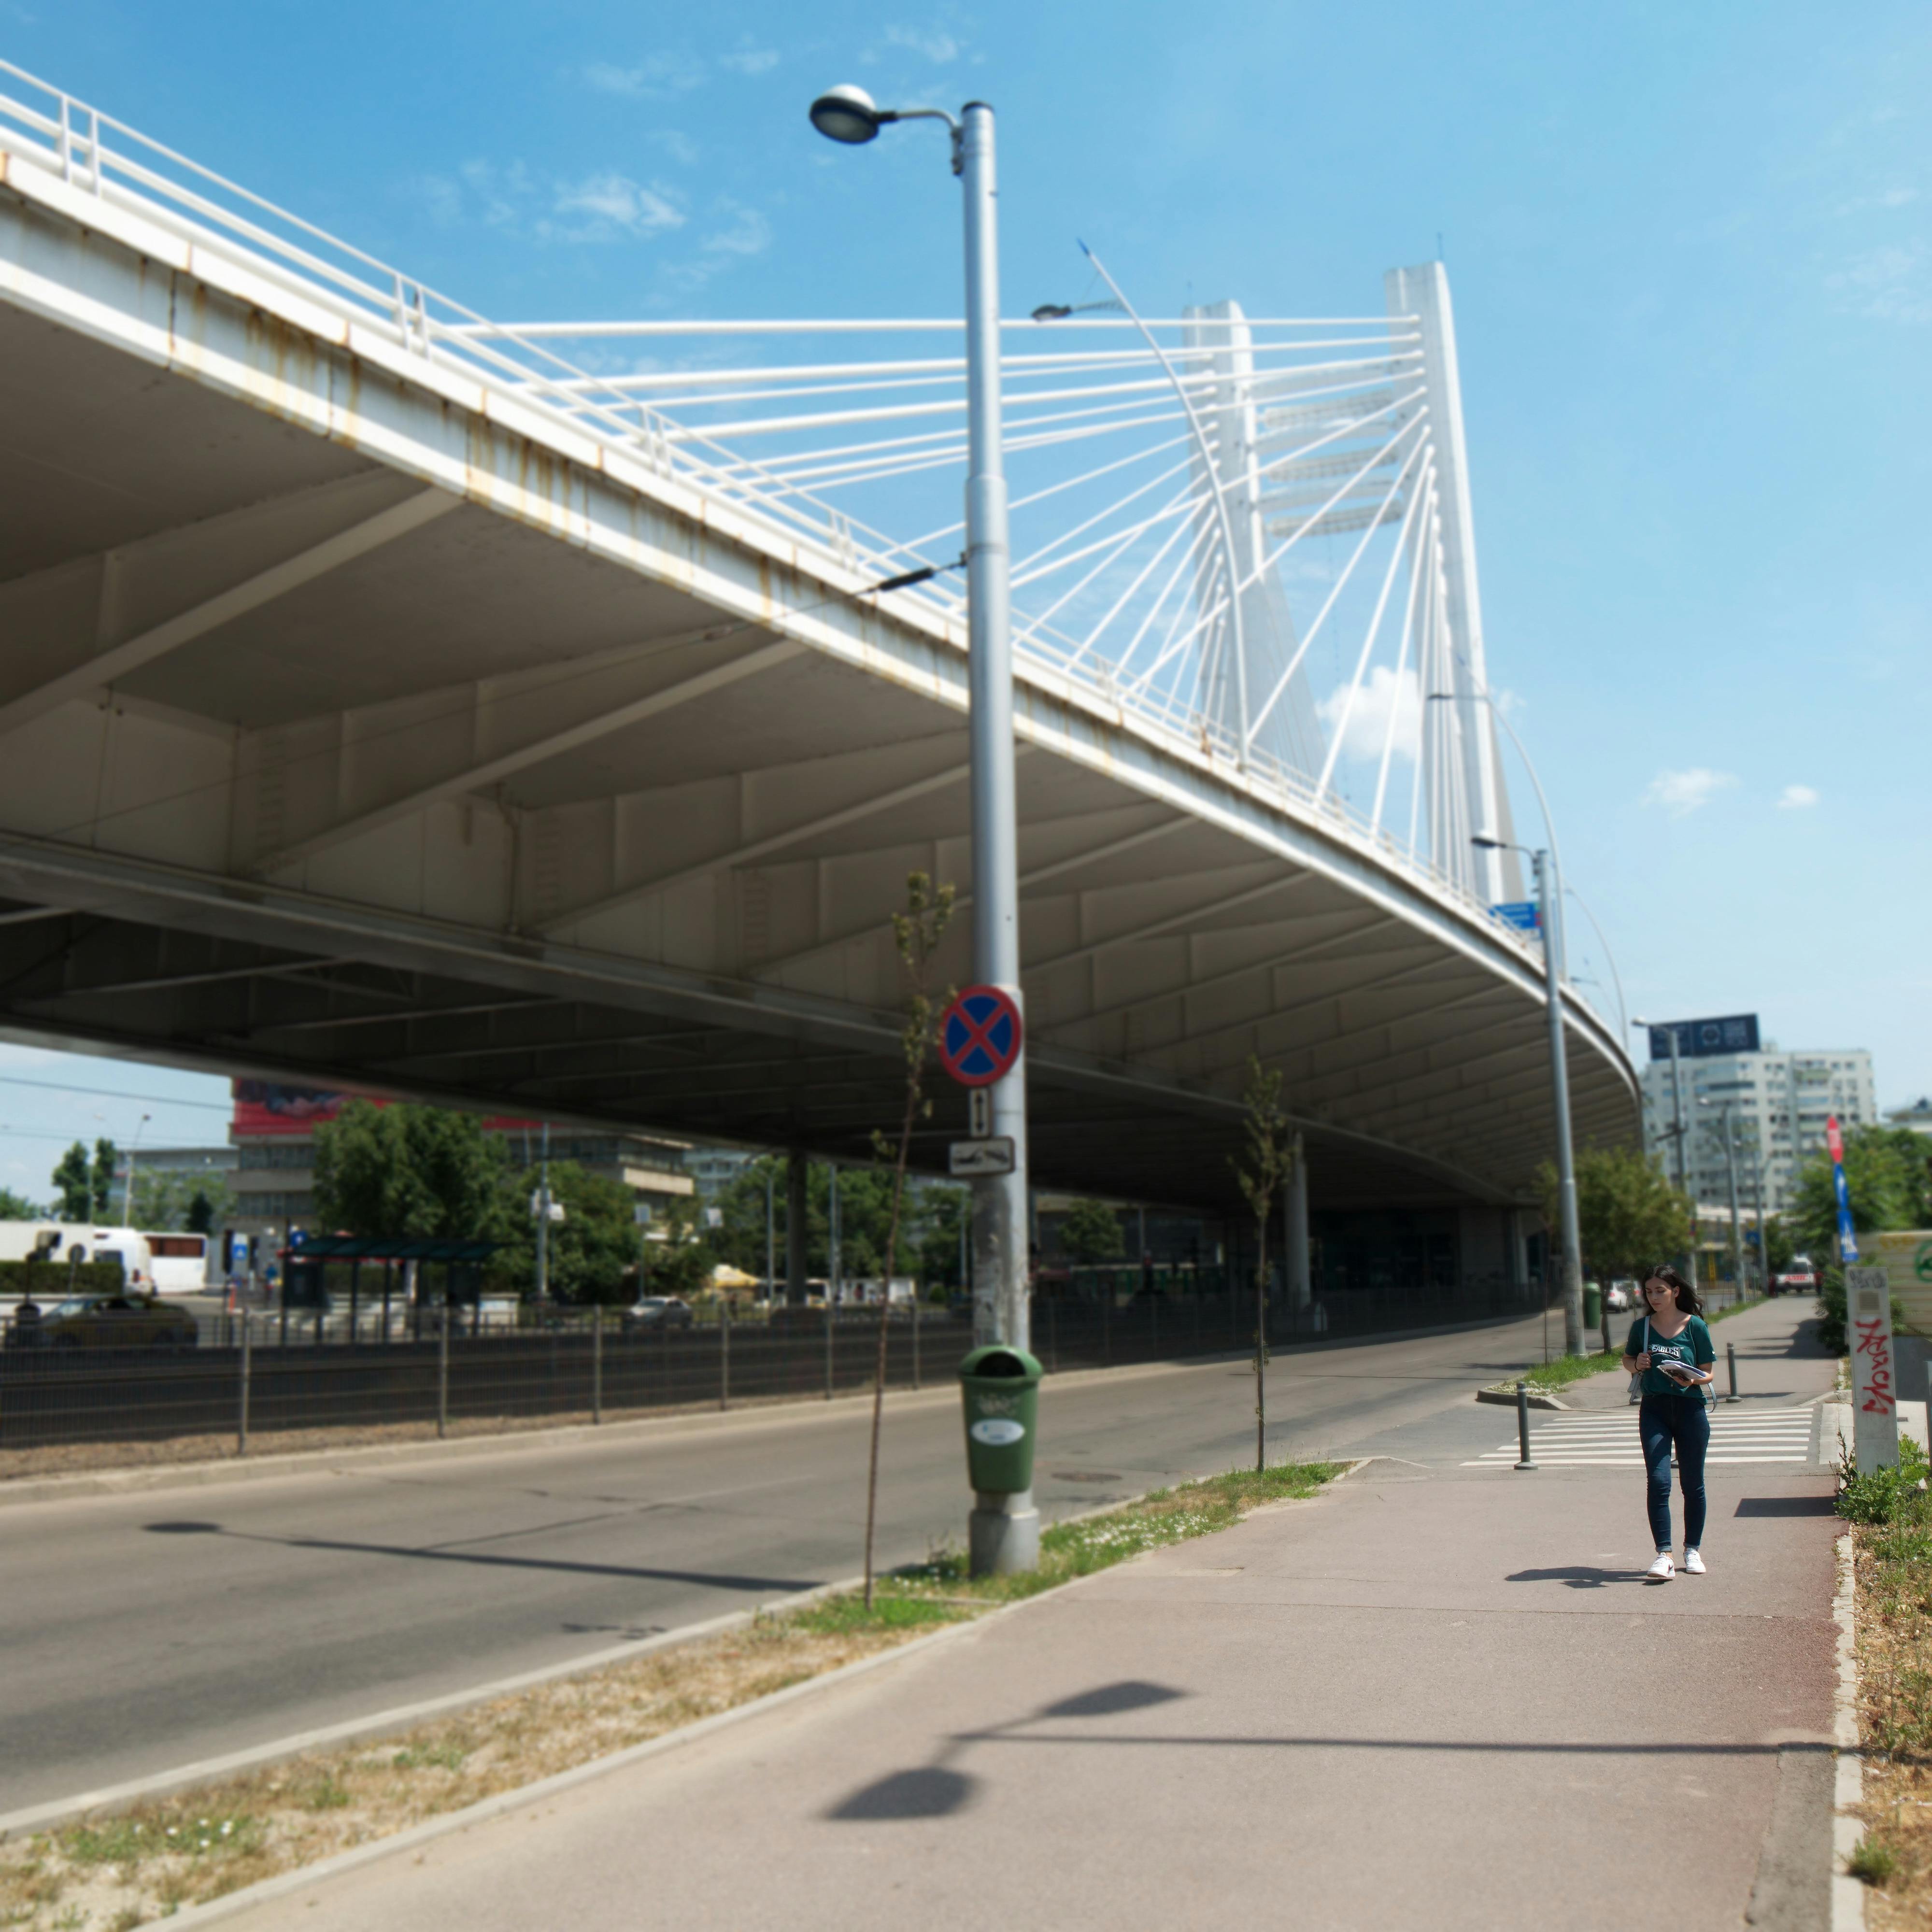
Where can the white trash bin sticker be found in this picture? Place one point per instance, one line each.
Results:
(996, 1431)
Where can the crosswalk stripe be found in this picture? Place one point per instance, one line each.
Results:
(1600, 1441)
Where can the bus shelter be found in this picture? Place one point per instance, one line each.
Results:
(324, 1273)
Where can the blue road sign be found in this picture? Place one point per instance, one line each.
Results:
(1520, 913)
(979, 1036)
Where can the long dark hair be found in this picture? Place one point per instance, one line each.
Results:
(1687, 1302)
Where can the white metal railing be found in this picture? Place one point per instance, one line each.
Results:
(94, 153)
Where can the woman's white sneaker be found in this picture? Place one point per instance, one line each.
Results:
(1662, 1569)
(1693, 1564)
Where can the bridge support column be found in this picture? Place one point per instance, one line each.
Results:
(798, 1170)
(1294, 1209)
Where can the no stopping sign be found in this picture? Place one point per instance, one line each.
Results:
(979, 1036)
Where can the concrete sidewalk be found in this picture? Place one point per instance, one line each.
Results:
(1429, 1698)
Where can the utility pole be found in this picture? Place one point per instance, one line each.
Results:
(1731, 1169)
(543, 1219)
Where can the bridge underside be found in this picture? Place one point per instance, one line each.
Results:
(354, 734)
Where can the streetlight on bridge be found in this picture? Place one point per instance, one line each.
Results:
(850, 116)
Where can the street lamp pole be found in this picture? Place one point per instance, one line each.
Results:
(1677, 1135)
(1549, 893)
(1001, 1311)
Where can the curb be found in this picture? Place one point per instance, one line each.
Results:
(53, 1814)
(286, 1883)
(1848, 1893)
(1538, 1399)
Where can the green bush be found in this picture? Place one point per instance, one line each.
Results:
(1886, 1495)
(1830, 1310)
(55, 1281)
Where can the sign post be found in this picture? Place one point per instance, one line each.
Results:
(1848, 1235)
(981, 1035)
(1874, 1383)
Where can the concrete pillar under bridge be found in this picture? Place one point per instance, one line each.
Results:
(1301, 1288)
(798, 1194)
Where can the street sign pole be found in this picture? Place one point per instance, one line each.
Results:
(1000, 1311)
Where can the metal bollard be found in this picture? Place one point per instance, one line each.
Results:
(597, 1363)
(724, 1351)
(442, 1373)
(247, 1376)
(1523, 1425)
(1731, 1357)
(828, 1342)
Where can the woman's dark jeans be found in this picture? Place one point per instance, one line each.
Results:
(1663, 1421)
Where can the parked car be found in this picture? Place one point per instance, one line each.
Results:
(657, 1311)
(108, 1321)
(1622, 1297)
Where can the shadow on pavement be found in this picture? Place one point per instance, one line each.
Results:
(722, 1580)
(928, 1792)
(1786, 1506)
(1577, 1575)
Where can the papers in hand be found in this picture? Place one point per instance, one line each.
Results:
(1681, 1373)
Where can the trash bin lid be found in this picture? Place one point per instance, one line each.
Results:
(999, 1361)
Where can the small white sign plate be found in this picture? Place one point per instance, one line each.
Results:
(970, 1159)
(979, 1112)
(996, 1431)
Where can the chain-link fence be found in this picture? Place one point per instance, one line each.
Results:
(255, 1374)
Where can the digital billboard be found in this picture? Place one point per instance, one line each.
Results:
(1698, 1039)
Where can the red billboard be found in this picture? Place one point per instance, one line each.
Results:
(264, 1107)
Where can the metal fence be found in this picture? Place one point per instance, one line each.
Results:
(254, 1376)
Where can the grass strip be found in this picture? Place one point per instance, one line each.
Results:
(1892, 1542)
(113, 1874)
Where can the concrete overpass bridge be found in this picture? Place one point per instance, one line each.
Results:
(389, 700)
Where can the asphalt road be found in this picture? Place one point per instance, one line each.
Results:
(140, 1632)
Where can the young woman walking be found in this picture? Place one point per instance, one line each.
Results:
(1670, 1348)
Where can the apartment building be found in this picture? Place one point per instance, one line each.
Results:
(1776, 1104)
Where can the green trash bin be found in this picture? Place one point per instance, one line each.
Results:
(1000, 1387)
(1593, 1305)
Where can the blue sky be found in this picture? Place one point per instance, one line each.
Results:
(1690, 260)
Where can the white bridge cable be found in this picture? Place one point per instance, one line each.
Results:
(1423, 484)
(1207, 616)
(1195, 504)
(1421, 572)
(1348, 571)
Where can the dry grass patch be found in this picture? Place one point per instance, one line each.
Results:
(111, 1874)
(1894, 1558)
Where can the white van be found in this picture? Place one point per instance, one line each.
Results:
(65, 1241)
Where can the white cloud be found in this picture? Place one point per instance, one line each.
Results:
(1893, 284)
(1796, 797)
(1680, 792)
(655, 79)
(615, 205)
(937, 46)
(749, 234)
(681, 148)
(1382, 694)
(750, 59)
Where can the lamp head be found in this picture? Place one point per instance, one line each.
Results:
(848, 114)
(1490, 845)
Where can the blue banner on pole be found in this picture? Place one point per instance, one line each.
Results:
(1848, 1238)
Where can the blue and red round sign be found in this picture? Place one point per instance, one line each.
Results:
(979, 1036)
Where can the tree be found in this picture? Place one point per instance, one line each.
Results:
(944, 1214)
(100, 1178)
(1629, 1217)
(84, 1187)
(681, 1263)
(916, 933)
(73, 1191)
(1886, 1175)
(17, 1207)
(1089, 1231)
(168, 1201)
(591, 1254)
(414, 1171)
(1270, 1164)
